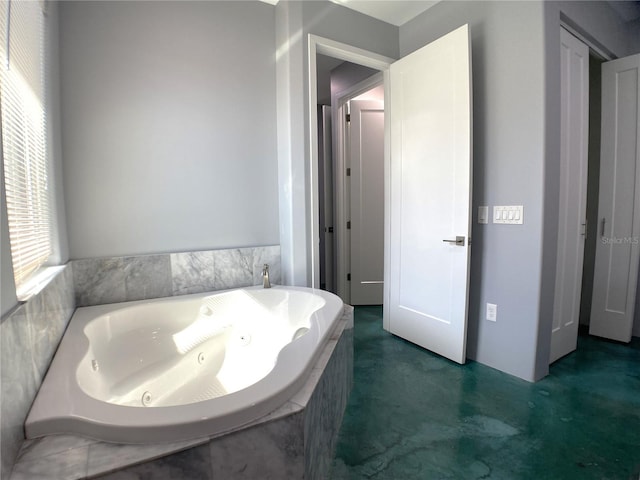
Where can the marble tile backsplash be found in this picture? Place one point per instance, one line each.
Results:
(29, 337)
(119, 279)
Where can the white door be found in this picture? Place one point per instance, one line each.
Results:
(367, 201)
(427, 274)
(572, 207)
(618, 249)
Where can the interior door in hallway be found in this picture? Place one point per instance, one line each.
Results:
(618, 248)
(366, 132)
(427, 274)
(572, 207)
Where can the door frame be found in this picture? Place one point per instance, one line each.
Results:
(339, 102)
(324, 46)
(582, 35)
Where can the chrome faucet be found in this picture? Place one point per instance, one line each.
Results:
(265, 276)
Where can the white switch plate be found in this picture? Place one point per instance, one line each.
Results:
(492, 312)
(512, 214)
(483, 214)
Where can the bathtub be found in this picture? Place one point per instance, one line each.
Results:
(182, 367)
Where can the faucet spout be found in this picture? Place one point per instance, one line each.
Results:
(265, 276)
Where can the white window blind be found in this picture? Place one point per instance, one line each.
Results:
(24, 140)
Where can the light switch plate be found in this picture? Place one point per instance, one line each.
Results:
(483, 214)
(492, 312)
(512, 214)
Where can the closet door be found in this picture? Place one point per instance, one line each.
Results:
(618, 249)
(572, 207)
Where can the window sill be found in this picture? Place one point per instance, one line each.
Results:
(37, 282)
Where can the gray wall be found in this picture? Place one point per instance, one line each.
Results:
(338, 23)
(54, 132)
(635, 27)
(347, 75)
(169, 126)
(294, 21)
(292, 201)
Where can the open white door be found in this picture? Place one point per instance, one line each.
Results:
(367, 201)
(572, 207)
(618, 249)
(427, 274)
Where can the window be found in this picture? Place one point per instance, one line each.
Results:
(24, 136)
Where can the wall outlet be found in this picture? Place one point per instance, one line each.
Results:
(492, 312)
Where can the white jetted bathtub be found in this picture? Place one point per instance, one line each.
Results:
(182, 367)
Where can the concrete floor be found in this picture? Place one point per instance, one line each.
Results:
(415, 415)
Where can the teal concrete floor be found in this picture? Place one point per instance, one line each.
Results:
(415, 415)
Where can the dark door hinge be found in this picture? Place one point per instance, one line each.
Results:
(349, 225)
(348, 117)
(348, 277)
(348, 172)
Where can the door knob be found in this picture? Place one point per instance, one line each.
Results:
(459, 241)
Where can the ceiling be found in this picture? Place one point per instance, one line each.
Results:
(395, 12)
(398, 12)
(628, 10)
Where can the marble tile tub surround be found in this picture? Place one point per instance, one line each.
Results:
(120, 279)
(295, 441)
(29, 336)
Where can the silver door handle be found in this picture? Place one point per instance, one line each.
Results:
(459, 241)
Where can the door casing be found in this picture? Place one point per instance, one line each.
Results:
(324, 46)
(605, 56)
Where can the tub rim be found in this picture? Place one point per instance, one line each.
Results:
(62, 406)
